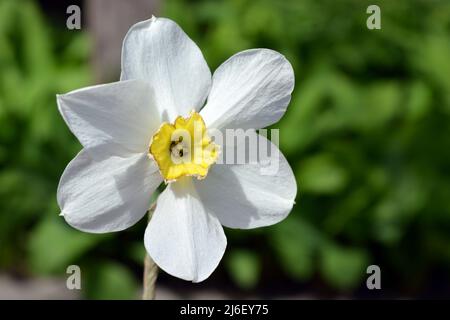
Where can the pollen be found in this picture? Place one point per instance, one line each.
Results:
(183, 148)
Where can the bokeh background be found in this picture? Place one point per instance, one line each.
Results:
(367, 134)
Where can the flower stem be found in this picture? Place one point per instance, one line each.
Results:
(150, 270)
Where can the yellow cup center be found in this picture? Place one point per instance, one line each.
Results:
(183, 148)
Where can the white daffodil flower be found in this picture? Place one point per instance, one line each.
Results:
(127, 127)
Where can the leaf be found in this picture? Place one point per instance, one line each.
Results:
(321, 174)
(382, 101)
(296, 243)
(53, 245)
(343, 267)
(137, 252)
(110, 281)
(419, 100)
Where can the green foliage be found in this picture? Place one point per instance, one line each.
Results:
(367, 134)
(367, 131)
(296, 243)
(35, 144)
(245, 268)
(343, 267)
(320, 174)
(53, 244)
(110, 280)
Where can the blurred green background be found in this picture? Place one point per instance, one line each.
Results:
(367, 134)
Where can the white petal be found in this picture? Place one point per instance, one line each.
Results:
(159, 51)
(249, 196)
(106, 195)
(118, 118)
(252, 89)
(183, 238)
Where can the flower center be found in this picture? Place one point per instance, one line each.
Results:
(179, 149)
(183, 148)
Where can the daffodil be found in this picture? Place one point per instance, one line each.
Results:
(139, 133)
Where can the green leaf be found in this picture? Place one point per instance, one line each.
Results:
(321, 174)
(419, 100)
(296, 242)
(54, 245)
(137, 252)
(110, 281)
(343, 267)
(382, 102)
